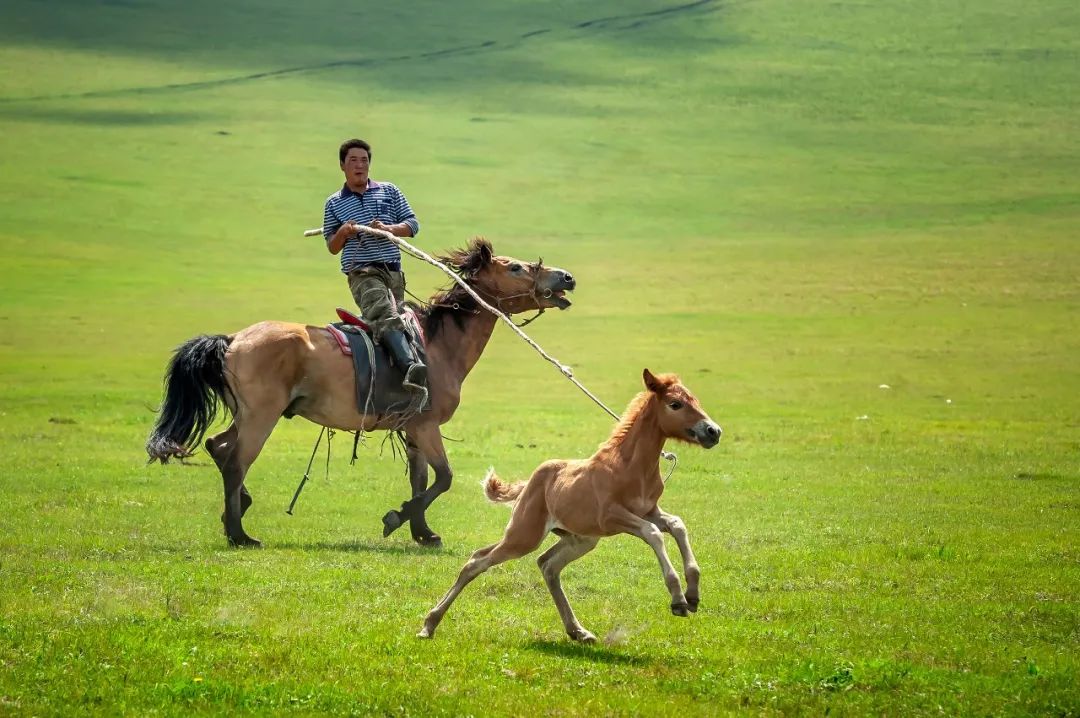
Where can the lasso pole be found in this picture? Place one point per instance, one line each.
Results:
(422, 255)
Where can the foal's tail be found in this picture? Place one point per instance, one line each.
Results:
(194, 383)
(500, 492)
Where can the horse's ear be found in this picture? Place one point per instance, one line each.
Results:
(484, 248)
(652, 383)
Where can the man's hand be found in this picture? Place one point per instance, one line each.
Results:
(401, 229)
(343, 234)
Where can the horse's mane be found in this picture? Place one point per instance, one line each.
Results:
(454, 301)
(634, 410)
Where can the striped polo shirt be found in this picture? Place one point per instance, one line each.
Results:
(382, 201)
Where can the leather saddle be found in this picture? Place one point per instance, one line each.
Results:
(378, 379)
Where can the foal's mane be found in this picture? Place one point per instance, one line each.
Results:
(454, 301)
(635, 409)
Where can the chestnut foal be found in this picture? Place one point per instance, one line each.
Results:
(614, 491)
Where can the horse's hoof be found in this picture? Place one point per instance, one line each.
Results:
(425, 632)
(692, 603)
(391, 523)
(583, 636)
(244, 541)
(680, 609)
(429, 541)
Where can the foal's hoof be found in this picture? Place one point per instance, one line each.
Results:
(391, 523)
(582, 636)
(244, 541)
(429, 541)
(692, 603)
(426, 632)
(680, 609)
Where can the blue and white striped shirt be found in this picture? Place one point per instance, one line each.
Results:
(382, 201)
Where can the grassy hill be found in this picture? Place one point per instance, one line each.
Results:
(791, 204)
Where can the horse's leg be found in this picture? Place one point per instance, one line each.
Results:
(675, 526)
(250, 437)
(219, 447)
(429, 443)
(245, 500)
(523, 535)
(418, 478)
(570, 548)
(620, 518)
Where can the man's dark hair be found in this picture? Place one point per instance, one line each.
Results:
(352, 144)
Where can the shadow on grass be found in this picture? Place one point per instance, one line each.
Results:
(217, 31)
(1038, 476)
(101, 117)
(359, 547)
(597, 654)
(395, 549)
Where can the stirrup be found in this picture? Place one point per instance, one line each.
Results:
(415, 380)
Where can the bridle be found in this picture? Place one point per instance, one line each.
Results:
(535, 269)
(535, 292)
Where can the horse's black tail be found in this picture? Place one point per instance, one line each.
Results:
(194, 383)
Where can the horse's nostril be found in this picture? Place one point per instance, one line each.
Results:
(568, 278)
(713, 431)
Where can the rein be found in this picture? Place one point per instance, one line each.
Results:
(563, 368)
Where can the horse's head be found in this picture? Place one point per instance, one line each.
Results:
(510, 284)
(681, 415)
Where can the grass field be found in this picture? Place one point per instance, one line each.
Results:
(791, 204)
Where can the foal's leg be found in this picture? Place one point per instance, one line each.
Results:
(570, 548)
(675, 526)
(523, 535)
(476, 565)
(628, 522)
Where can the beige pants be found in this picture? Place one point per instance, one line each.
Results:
(379, 294)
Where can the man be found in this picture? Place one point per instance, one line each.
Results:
(373, 264)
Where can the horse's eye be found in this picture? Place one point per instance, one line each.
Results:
(515, 267)
(676, 405)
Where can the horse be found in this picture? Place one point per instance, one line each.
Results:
(274, 369)
(614, 491)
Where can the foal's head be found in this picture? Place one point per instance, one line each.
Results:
(680, 413)
(510, 284)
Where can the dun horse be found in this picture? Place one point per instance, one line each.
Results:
(614, 491)
(275, 369)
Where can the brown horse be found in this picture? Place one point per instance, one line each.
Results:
(614, 491)
(275, 369)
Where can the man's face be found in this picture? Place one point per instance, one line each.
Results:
(356, 166)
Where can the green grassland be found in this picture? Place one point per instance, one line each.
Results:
(790, 204)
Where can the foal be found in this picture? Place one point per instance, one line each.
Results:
(614, 491)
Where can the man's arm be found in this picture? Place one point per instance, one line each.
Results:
(335, 232)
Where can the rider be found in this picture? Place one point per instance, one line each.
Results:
(373, 264)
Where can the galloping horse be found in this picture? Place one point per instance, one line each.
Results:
(274, 369)
(614, 491)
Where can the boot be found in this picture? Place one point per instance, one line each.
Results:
(401, 352)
